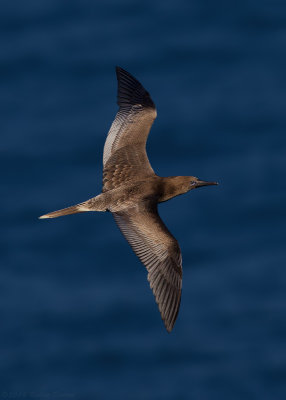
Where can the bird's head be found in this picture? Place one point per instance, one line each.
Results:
(176, 185)
(192, 182)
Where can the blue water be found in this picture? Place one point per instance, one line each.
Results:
(78, 320)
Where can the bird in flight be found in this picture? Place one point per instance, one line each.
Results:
(131, 192)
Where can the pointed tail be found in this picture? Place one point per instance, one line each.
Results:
(66, 211)
(97, 203)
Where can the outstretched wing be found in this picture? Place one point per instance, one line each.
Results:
(124, 155)
(159, 251)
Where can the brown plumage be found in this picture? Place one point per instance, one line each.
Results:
(131, 191)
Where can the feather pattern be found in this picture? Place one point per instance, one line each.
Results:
(129, 130)
(159, 251)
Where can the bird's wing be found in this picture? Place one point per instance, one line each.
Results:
(159, 251)
(124, 155)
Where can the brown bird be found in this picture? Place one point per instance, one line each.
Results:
(131, 191)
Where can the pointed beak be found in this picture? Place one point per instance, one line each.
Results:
(204, 183)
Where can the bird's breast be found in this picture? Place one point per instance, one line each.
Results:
(128, 196)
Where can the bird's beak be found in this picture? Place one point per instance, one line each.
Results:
(204, 183)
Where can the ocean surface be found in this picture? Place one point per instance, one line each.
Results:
(78, 319)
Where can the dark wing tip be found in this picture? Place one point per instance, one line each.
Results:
(170, 313)
(169, 324)
(166, 283)
(130, 91)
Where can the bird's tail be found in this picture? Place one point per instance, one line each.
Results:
(97, 203)
(66, 211)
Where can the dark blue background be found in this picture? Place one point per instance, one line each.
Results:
(78, 320)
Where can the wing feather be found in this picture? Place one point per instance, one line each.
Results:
(125, 147)
(159, 251)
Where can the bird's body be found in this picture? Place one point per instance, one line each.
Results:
(131, 191)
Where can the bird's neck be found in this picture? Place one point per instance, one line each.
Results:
(173, 186)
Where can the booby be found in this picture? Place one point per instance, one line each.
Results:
(131, 192)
